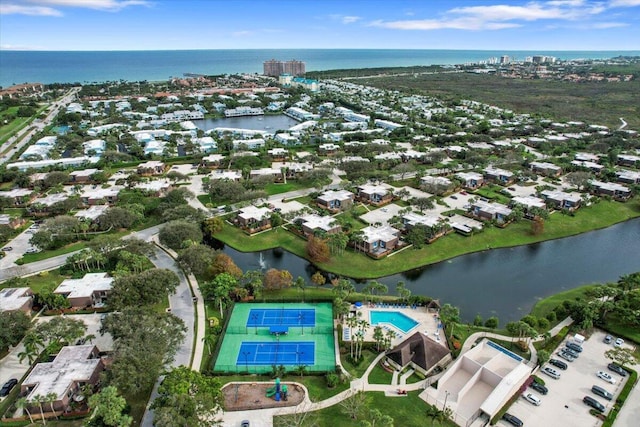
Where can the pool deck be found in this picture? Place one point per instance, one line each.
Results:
(427, 323)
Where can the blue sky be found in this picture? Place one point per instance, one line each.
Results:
(279, 24)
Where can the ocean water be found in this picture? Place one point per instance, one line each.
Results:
(98, 66)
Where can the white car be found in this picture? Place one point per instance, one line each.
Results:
(618, 342)
(532, 398)
(608, 378)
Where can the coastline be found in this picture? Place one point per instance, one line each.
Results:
(359, 266)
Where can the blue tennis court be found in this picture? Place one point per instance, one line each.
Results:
(282, 317)
(276, 353)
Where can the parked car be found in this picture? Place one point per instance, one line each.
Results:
(532, 398)
(512, 419)
(571, 352)
(539, 388)
(566, 356)
(558, 364)
(551, 372)
(593, 403)
(7, 248)
(608, 339)
(7, 387)
(31, 251)
(575, 347)
(454, 197)
(617, 369)
(608, 378)
(618, 343)
(245, 423)
(602, 392)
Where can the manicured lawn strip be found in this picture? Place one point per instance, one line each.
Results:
(204, 199)
(276, 188)
(359, 266)
(316, 384)
(616, 327)
(44, 281)
(407, 411)
(357, 371)
(546, 305)
(27, 258)
(511, 346)
(379, 376)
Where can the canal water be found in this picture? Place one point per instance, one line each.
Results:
(266, 123)
(501, 282)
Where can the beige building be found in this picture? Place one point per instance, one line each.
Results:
(90, 291)
(479, 383)
(13, 299)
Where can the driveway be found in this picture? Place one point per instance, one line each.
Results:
(563, 404)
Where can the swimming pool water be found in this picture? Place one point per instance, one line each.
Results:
(396, 318)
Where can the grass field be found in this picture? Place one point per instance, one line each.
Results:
(279, 188)
(44, 281)
(359, 266)
(27, 258)
(407, 411)
(591, 102)
(546, 305)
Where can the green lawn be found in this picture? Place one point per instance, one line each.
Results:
(358, 371)
(380, 376)
(43, 281)
(279, 188)
(27, 258)
(546, 305)
(407, 411)
(359, 266)
(630, 332)
(204, 199)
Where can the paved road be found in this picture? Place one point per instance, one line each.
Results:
(11, 270)
(24, 135)
(182, 306)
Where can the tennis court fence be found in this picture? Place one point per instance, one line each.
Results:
(266, 369)
(264, 330)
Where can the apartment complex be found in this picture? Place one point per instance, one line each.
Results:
(275, 67)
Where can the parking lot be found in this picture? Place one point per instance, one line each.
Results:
(563, 405)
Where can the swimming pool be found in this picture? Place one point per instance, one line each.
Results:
(397, 319)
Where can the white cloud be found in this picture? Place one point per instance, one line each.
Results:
(502, 16)
(106, 5)
(605, 25)
(242, 33)
(18, 47)
(452, 24)
(624, 3)
(345, 19)
(15, 9)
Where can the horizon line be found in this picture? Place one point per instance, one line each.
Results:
(320, 48)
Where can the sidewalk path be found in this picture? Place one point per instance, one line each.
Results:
(264, 417)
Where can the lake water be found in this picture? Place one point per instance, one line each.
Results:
(502, 282)
(266, 123)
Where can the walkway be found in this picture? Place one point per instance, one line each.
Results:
(264, 417)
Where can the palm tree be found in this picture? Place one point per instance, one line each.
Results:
(301, 369)
(378, 336)
(50, 398)
(209, 340)
(352, 322)
(40, 399)
(23, 404)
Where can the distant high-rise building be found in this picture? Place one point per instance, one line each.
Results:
(504, 59)
(274, 67)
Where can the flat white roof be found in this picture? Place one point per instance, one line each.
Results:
(252, 212)
(529, 201)
(384, 233)
(13, 298)
(85, 287)
(71, 364)
(93, 212)
(314, 222)
(329, 195)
